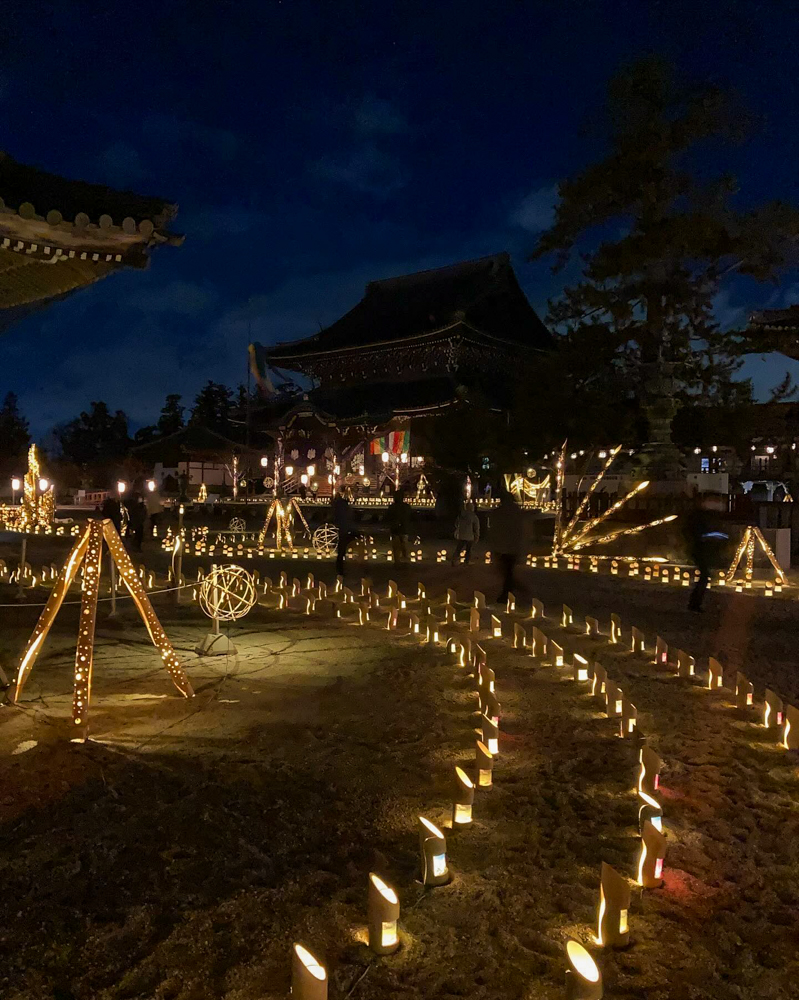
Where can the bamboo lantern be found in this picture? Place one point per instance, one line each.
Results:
(661, 652)
(715, 674)
(519, 636)
(537, 609)
(492, 707)
(421, 591)
(653, 853)
(649, 771)
(637, 641)
(491, 735)
(479, 600)
(413, 621)
(592, 627)
(474, 620)
(510, 607)
(583, 978)
(393, 615)
(614, 904)
(651, 811)
(452, 597)
(772, 710)
(790, 735)
(629, 718)
(579, 667)
(308, 975)
(484, 760)
(463, 799)
(449, 614)
(538, 647)
(296, 587)
(685, 664)
(383, 915)
(496, 627)
(466, 645)
(744, 692)
(433, 847)
(600, 679)
(566, 617)
(613, 699)
(555, 653)
(615, 628)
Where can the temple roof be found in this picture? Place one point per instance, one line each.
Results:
(58, 235)
(480, 297)
(776, 319)
(192, 440)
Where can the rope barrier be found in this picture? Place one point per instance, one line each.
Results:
(101, 600)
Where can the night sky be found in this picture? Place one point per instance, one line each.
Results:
(313, 146)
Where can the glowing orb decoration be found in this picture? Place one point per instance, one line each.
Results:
(325, 540)
(237, 524)
(227, 593)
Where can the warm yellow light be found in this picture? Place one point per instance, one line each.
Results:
(121, 486)
(15, 483)
(264, 461)
(304, 479)
(43, 485)
(310, 963)
(289, 470)
(385, 890)
(151, 485)
(431, 828)
(581, 962)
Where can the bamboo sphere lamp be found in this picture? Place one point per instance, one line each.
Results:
(653, 853)
(462, 799)
(613, 929)
(484, 761)
(433, 848)
(583, 978)
(772, 710)
(383, 915)
(649, 771)
(308, 975)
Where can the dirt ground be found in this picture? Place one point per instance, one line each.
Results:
(181, 853)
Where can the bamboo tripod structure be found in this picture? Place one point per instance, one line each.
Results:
(747, 545)
(87, 552)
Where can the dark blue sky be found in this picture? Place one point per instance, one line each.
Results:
(313, 146)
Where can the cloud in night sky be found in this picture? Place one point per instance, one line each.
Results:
(536, 211)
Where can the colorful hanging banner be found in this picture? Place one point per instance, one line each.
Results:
(395, 443)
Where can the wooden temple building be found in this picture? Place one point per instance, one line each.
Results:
(59, 235)
(775, 330)
(415, 346)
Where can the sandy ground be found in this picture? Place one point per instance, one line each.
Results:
(179, 856)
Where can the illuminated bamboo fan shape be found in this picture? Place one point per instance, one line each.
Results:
(570, 538)
(747, 545)
(227, 593)
(583, 978)
(87, 551)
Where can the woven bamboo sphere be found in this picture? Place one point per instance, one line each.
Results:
(227, 593)
(325, 540)
(237, 524)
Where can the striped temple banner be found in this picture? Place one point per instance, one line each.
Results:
(395, 443)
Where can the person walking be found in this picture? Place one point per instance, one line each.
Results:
(137, 515)
(506, 527)
(341, 514)
(467, 532)
(154, 507)
(112, 510)
(399, 524)
(702, 541)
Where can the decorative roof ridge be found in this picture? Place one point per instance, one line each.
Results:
(501, 259)
(768, 316)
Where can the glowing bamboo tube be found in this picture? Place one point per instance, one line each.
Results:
(629, 718)
(510, 605)
(615, 628)
(491, 735)
(474, 620)
(583, 978)
(744, 692)
(613, 699)
(564, 539)
(452, 597)
(661, 652)
(555, 651)
(538, 647)
(651, 811)
(537, 608)
(433, 847)
(790, 734)
(566, 616)
(383, 916)
(613, 929)
(462, 800)
(604, 539)
(649, 771)
(479, 601)
(484, 761)
(715, 675)
(579, 667)
(560, 471)
(637, 641)
(653, 853)
(519, 636)
(685, 664)
(576, 538)
(772, 710)
(599, 681)
(496, 627)
(592, 627)
(308, 975)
